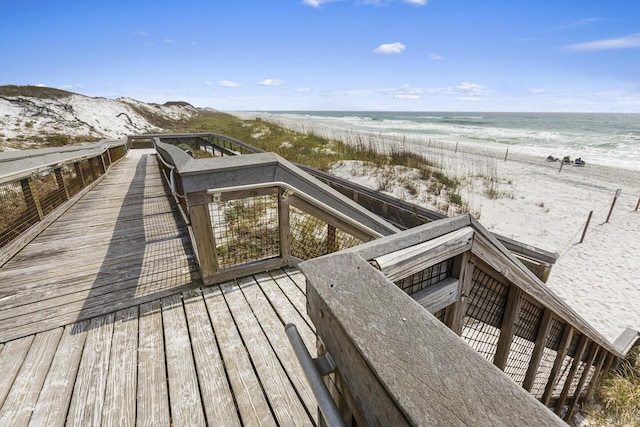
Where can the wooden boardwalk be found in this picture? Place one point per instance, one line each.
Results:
(103, 321)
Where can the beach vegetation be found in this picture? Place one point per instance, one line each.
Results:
(617, 400)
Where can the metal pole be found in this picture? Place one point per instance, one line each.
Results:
(584, 232)
(325, 402)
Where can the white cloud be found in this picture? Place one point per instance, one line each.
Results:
(41, 85)
(316, 3)
(169, 41)
(468, 98)
(390, 48)
(537, 91)
(271, 82)
(229, 83)
(208, 84)
(436, 57)
(416, 2)
(405, 96)
(625, 42)
(303, 90)
(141, 34)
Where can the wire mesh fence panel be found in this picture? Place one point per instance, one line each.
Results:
(580, 371)
(88, 172)
(312, 237)
(48, 191)
(548, 358)
(485, 310)
(245, 230)
(17, 213)
(523, 343)
(425, 278)
(566, 367)
(72, 179)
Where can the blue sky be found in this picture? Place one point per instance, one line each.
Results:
(410, 55)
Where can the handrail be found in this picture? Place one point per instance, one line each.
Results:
(291, 190)
(327, 406)
(23, 163)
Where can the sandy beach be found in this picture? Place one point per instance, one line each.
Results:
(540, 205)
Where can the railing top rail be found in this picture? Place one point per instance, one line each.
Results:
(490, 250)
(20, 163)
(209, 174)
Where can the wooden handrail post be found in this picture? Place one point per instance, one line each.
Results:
(30, 197)
(332, 243)
(567, 335)
(284, 225)
(462, 270)
(583, 379)
(203, 234)
(511, 315)
(595, 378)
(577, 357)
(538, 350)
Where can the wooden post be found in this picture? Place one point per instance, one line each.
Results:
(602, 356)
(205, 241)
(584, 232)
(456, 146)
(30, 198)
(637, 205)
(284, 226)
(332, 244)
(538, 350)
(463, 271)
(613, 204)
(561, 163)
(511, 315)
(506, 154)
(582, 345)
(567, 335)
(62, 188)
(583, 379)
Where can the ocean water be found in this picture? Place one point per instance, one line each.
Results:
(603, 138)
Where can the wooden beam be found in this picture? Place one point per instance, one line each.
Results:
(462, 269)
(332, 244)
(538, 350)
(205, 241)
(582, 344)
(30, 198)
(595, 378)
(284, 226)
(567, 335)
(405, 262)
(438, 296)
(511, 315)
(583, 379)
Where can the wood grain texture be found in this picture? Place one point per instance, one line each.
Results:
(120, 394)
(11, 359)
(184, 393)
(88, 393)
(217, 398)
(53, 402)
(17, 407)
(252, 403)
(152, 393)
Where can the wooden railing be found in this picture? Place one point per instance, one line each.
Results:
(37, 186)
(259, 212)
(399, 213)
(385, 331)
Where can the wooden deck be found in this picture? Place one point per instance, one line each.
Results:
(103, 321)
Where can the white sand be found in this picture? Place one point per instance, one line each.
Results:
(541, 206)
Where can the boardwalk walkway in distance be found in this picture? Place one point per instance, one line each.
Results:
(103, 321)
(122, 244)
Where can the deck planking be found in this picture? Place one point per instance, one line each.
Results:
(122, 244)
(103, 321)
(207, 356)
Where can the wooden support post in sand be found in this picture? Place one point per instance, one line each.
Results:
(456, 146)
(561, 163)
(613, 204)
(637, 205)
(584, 232)
(506, 154)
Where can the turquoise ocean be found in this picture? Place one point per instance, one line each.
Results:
(611, 139)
